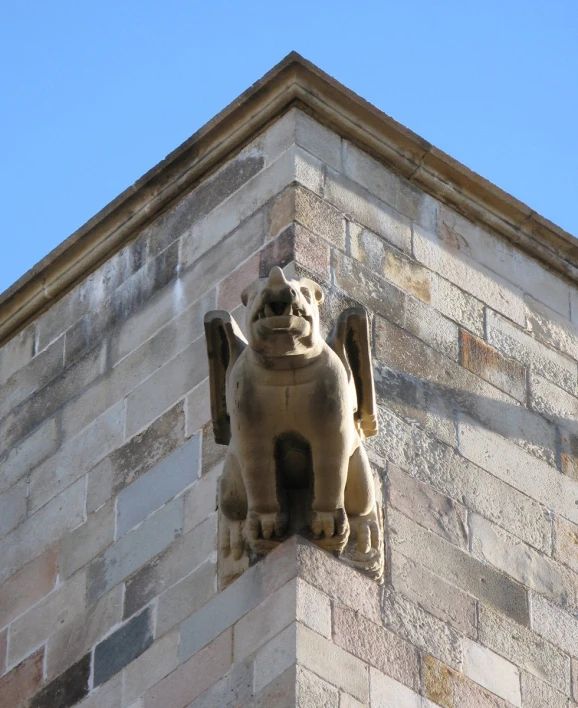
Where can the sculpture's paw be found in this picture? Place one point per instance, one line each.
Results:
(265, 531)
(365, 549)
(232, 540)
(366, 532)
(330, 529)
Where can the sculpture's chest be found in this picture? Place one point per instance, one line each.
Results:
(284, 400)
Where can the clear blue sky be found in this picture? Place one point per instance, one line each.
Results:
(96, 92)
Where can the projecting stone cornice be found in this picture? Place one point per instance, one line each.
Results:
(294, 81)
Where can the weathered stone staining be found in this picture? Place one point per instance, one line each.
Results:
(294, 410)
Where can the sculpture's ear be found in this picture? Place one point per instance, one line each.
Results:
(310, 286)
(249, 292)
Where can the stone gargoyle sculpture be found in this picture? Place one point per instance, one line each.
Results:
(294, 410)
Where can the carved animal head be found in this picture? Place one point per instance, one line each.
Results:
(283, 315)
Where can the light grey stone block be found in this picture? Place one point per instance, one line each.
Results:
(386, 692)
(405, 310)
(87, 540)
(347, 701)
(519, 344)
(198, 407)
(134, 549)
(166, 386)
(458, 567)
(382, 182)
(461, 390)
(469, 275)
(464, 237)
(554, 624)
(331, 663)
(294, 165)
(79, 635)
(554, 403)
(492, 671)
(53, 613)
(538, 694)
(360, 205)
(27, 541)
(233, 690)
(296, 127)
(48, 400)
(149, 668)
(17, 352)
(76, 456)
(279, 693)
(456, 477)
(313, 692)
(264, 622)
(510, 555)
(186, 597)
(313, 608)
(201, 498)
(551, 328)
(32, 377)
(433, 594)
(421, 629)
(170, 566)
(427, 507)
(29, 453)
(318, 140)
(524, 648)
(220, 613)
(12, 507)
(159, 485)
(275, 657)
(519, 469)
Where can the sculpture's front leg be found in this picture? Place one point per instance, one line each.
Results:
(266, 523)
(329, 522)
(233, 560)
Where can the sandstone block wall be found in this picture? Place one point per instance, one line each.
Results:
(108, 469)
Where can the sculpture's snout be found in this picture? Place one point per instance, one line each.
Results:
(278, 294)
(285, 295)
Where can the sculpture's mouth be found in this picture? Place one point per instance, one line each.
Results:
(286, 316)
(279, 309)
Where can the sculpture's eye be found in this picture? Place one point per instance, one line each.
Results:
(306, 294)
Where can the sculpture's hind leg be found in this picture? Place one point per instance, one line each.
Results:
(233, 505)
(366, 551)
(360, 488)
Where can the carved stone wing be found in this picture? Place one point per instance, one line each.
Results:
(225, 342)
(349, 339)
